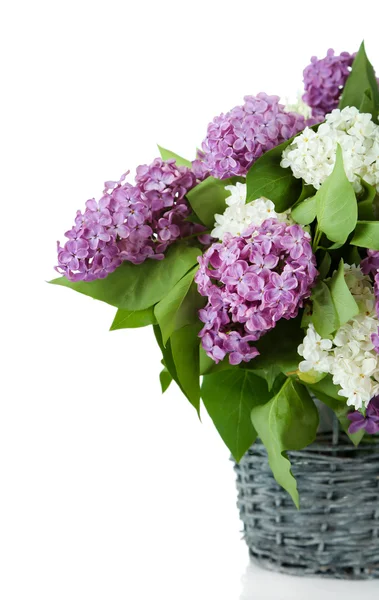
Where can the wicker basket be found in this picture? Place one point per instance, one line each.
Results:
(336, 531)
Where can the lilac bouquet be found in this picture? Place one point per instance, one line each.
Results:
(257, 263)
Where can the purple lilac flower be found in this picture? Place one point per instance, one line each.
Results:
(251, 282)
(375, 341)
(370, 266)
(129, 222)
(236, 139)
(375, 336)
(324, 80)
(368, 422)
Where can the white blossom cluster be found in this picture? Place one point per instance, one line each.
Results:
(238, 215)
(350, 356)
(312, 155)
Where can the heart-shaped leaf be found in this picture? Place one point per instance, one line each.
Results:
(337, 210)
(266, 178)
(287, 422)
(229, 397)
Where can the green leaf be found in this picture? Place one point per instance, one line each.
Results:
(357, 437)
(305, 212)
(294, 415)
(268, 179)
(369, 191)
(137, 287)
(306, 192)
(310, 377)
(361, 88)
(208, 199)
(181, 359)
(325, 265)
(267, 370)
(229, 397)
(192, 218)
(337, 210)
(188, 314)
(185, 352)
(288, 422)
(366, 235)
(345, 305)
(268, 373)
(179, 327)
(335, 405)
(129, 319)
(335, 246)
(352, 256)
(168, 360)
(327, 393)
(324, 315)
(328, 388)
(367, 203)
(165, 379)
(366, 211)
(169, 311)
(367, 104)
(167, 154)
(306, 318)
(279, 347)
(208, 365)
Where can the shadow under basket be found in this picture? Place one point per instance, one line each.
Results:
(336, 531)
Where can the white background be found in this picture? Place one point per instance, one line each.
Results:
(108, 490)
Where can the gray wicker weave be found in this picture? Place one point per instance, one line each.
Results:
(336, 531)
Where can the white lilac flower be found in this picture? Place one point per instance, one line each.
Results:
(312, 155)
(238, 215)
(298, 106)
(350, 357)
(315, 350)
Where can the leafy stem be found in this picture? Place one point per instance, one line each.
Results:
(316, 239)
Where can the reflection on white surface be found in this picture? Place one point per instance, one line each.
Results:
(260, 584)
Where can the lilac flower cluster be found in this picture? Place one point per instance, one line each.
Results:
(129, 222)
(251, 281)
(368, 422)
(236, 139)
(324, 80)
(370, 266)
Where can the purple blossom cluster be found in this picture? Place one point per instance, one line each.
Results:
(129, 222)
(236, 139)
(324, 80)
(370, 266)
(251, 282)
(368, 422)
